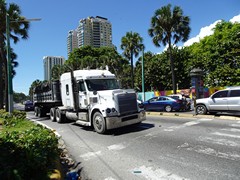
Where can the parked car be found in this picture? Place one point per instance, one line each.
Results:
(162, 103)
(184, 99)
(28, 106)
(227, 100)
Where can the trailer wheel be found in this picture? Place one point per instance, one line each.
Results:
(53, 114)
(99, 123)
(60, 117)
(40, 112)
(36, 111)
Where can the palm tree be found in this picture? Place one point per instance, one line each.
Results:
(132, 45)
(168, 26)
(18, 28)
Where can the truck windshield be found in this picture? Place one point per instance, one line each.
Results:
(102, 84)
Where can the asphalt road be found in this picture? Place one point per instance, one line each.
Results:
(160, 148)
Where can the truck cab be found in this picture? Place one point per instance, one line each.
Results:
(94, 98)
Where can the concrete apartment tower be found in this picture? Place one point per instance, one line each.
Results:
(96, 32)
(72, 41)
(49, 62)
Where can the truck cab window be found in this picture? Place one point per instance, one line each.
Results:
(81, 86)
(102, 84)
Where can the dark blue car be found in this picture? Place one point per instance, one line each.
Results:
(162, 103)
(28, 106)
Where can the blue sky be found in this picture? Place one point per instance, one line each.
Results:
(48, 37)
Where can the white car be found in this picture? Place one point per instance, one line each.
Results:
(227, 100)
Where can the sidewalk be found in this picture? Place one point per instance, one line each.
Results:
(191, 114)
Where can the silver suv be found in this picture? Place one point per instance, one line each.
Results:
(227, 100)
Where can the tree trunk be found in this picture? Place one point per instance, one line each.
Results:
(1, 72)
(172, 69)
(6, 85)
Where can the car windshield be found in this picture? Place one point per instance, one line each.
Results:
(102, 84)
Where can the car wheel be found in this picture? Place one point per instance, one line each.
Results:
(201, 109)
(168, 108)
(99, 123)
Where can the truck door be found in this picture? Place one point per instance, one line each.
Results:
(82, 95)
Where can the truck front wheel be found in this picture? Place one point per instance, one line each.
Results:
(99, 123)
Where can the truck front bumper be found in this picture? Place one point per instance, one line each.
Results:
(116, 122)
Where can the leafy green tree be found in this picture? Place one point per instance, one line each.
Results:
(19, 97)
(18, 27)
(218, 55)
(93, 58)
(57, 71)
(132, 44)
(169, 27)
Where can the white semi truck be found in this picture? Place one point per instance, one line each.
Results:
(90, 98)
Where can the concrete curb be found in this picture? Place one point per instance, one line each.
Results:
(225, 117)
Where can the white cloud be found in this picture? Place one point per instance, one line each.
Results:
(204, 31)
(208, 30)
(235, 19)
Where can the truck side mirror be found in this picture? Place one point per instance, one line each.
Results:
(94, 92)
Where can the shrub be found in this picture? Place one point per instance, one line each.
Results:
(27, 153)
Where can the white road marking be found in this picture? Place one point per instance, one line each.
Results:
(191, 123)
(209, 151)
(227, 135)
(187, 124)
(109, 178)
(116, 147)
(235, 125)
(156, 174)
(204, 119)
(90, 155)
(224, 142)
(231, 130)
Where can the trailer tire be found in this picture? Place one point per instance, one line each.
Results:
(99, 123)
(36, 111)
(53, 114)
(60, 117)
(41, 112)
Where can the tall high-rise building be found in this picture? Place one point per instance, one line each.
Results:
(49, 62)
(96, 32)
(72, 41)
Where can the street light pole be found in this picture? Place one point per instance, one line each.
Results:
(9, 63)
(143, 88)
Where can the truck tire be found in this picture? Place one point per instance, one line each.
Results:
(201, 109)
(41, 112)
(36, 111)
(60, 117)
(99, 123)
(53, 114)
